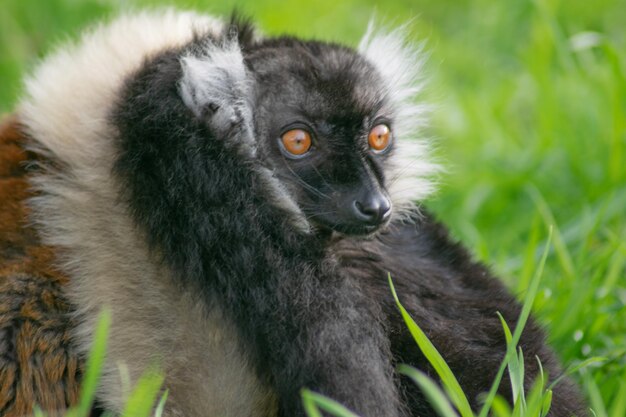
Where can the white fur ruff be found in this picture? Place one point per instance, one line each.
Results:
(68, 102)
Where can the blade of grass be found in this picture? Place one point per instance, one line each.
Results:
(308, 402)
(618, 407)
(431, 390)
(517, 384)
(38, 412)
(560, 247)
(547, 403)
(142, 399)
(449, 381)
(595, 397)
(576, 368)
(500, 407)
(161, 406)
(520, 379)
(94, 364)
(535, 401)
(313, 402)
(521, 322)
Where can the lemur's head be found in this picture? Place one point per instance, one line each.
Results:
(332, 130)
(324, 120)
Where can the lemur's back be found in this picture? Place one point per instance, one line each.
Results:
(37, 363)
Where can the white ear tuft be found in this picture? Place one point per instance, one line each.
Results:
(399, 61)
(215, 78)
(215, 86)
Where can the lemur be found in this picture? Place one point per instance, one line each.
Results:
(237, 202)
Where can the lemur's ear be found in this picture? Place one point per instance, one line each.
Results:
(215, 85)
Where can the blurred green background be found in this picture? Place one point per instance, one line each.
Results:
(529, 119)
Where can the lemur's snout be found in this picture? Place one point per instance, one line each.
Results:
(372, 208)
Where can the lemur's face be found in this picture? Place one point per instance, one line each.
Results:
(322, 117)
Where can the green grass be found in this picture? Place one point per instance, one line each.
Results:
(530, 121)
(535, 403)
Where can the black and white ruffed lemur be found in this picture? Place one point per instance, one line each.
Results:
(238, 203)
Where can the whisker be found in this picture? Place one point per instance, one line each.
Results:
(400, 174)
(323, 179)
(324, 213)
(304, 183)
(314, 210)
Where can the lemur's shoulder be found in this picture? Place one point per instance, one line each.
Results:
(37, 362)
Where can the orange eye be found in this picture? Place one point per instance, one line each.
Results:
(296, 142)
(379, 138)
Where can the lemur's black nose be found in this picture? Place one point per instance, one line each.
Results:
(372, 208)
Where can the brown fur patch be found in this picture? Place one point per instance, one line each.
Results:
(37, 362)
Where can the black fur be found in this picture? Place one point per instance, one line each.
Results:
(314, 312)
(244, 27)
(307, 324)
(454, 300)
